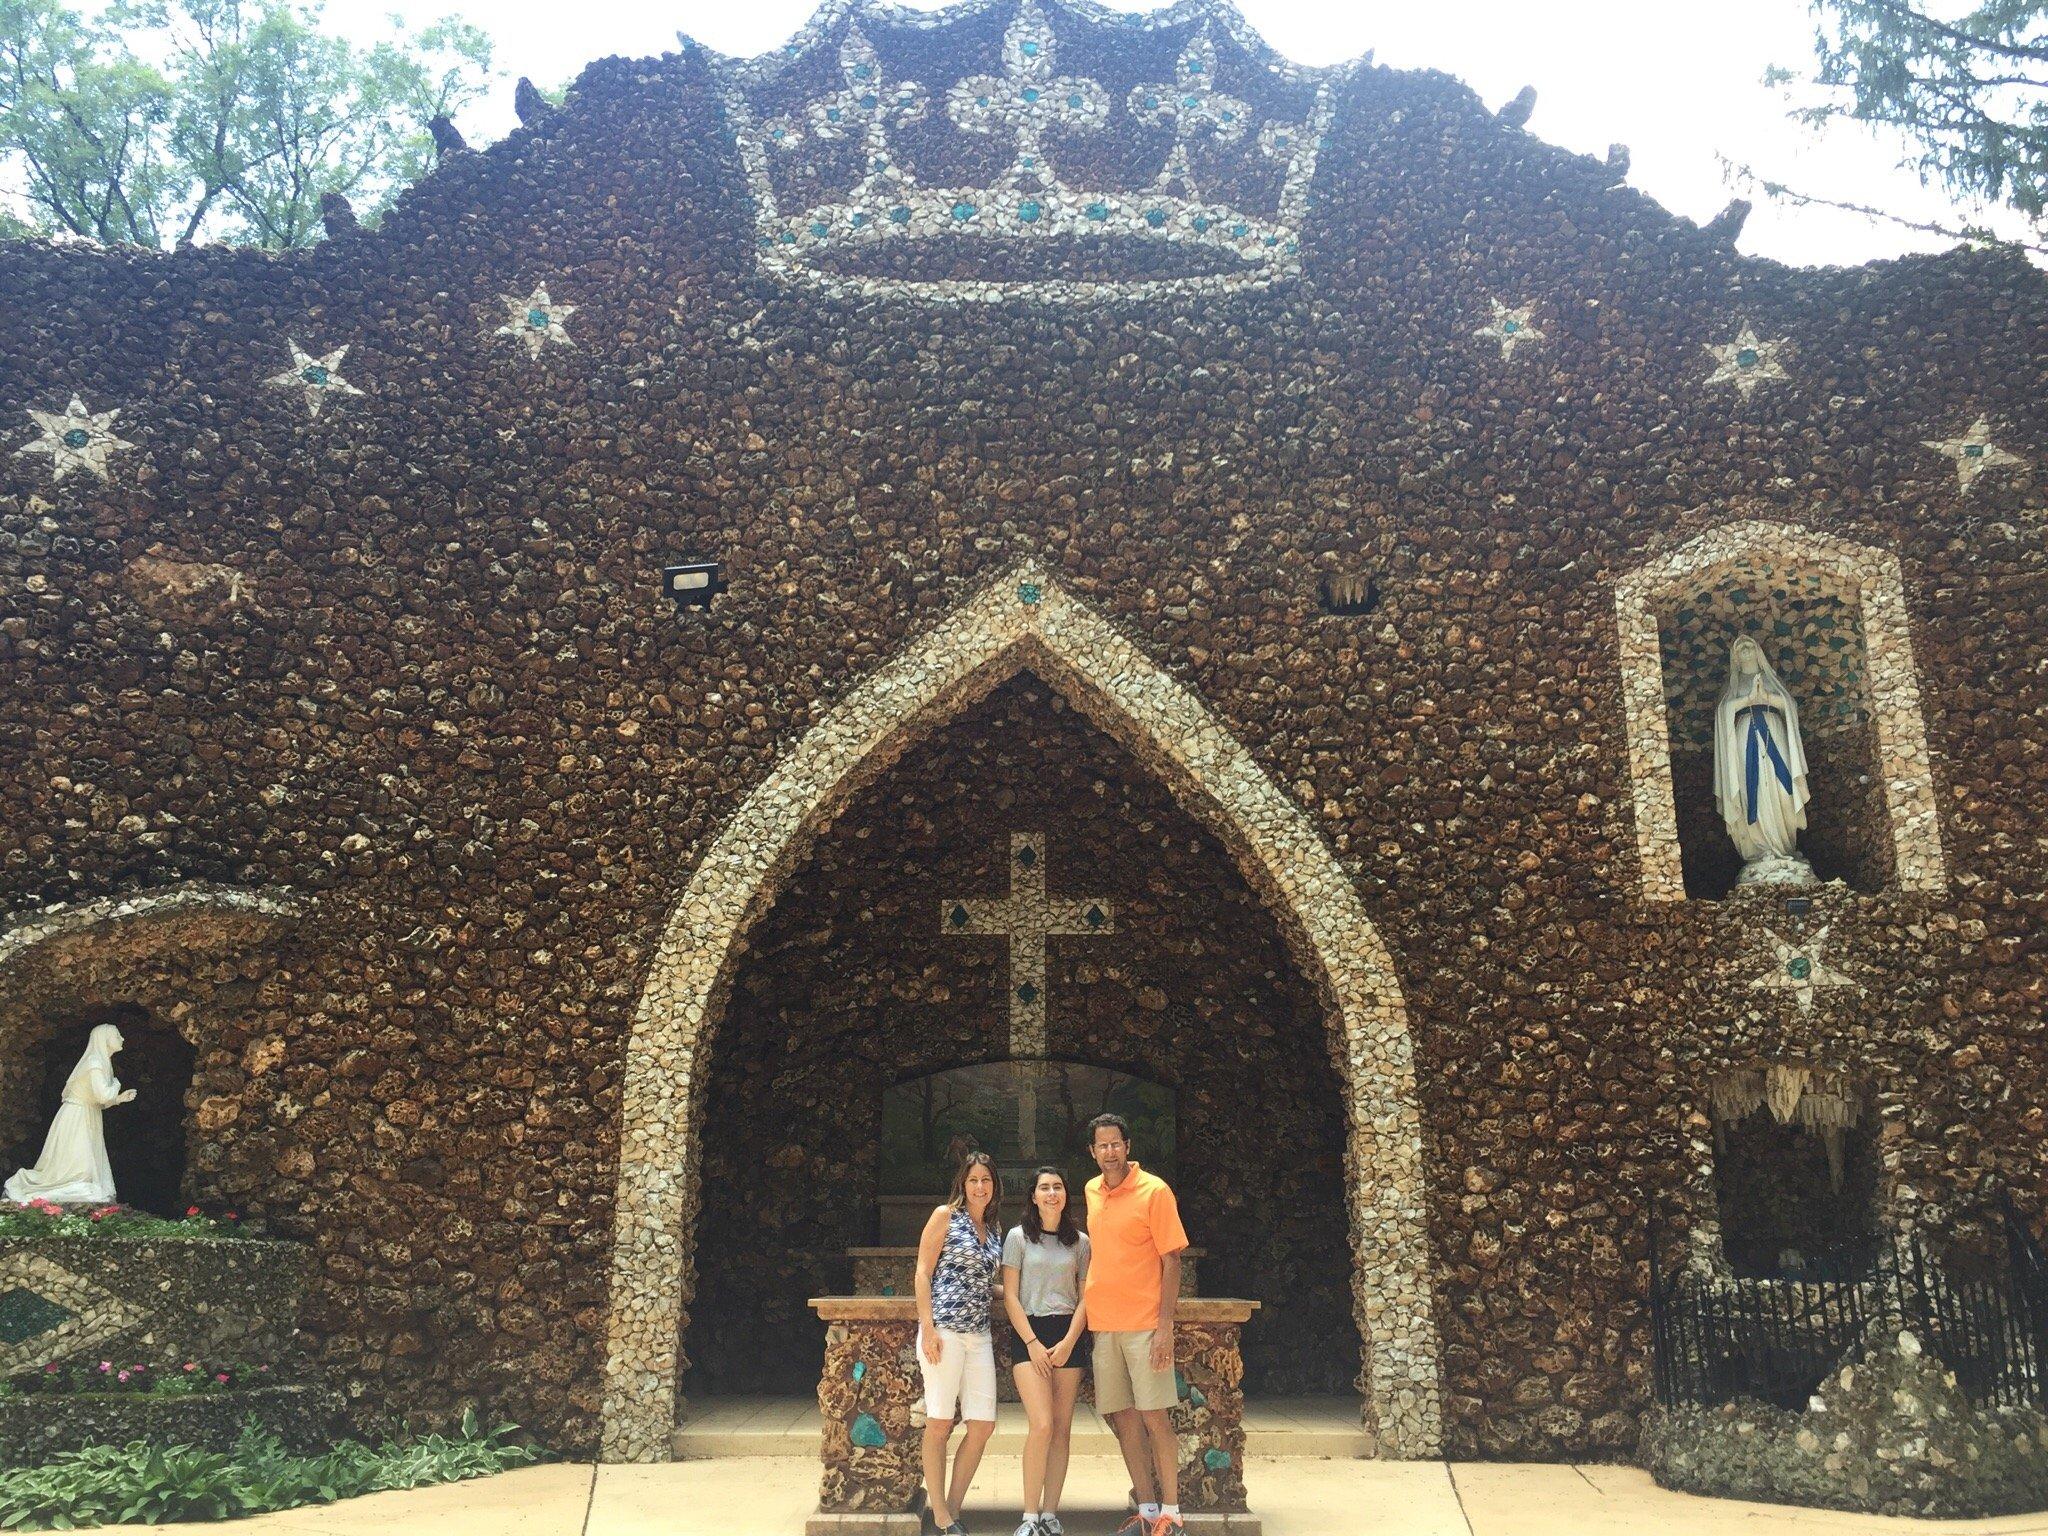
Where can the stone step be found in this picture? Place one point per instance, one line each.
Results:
(789, 1426)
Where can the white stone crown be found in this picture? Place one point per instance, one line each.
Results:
(1026, 100)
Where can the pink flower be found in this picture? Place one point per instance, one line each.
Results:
(191, 1210)
(230, 1216)
(221, 1376)
(190, 1365)
(122, 1377)
(50, 1369)
(105, 1366)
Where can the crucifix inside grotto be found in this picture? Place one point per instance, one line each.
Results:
(1795, 1173)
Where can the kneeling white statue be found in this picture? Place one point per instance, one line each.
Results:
(74, 1167)
(1760, 770)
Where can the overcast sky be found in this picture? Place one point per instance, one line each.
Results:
(1678, 81)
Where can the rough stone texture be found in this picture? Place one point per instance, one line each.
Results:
(157, 1301)
(38, 1428)
(452, 709)
(848, 985)
(1887, 1434)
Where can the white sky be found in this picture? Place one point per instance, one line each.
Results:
(1678, 81)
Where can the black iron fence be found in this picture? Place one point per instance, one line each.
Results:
(1774, 1340)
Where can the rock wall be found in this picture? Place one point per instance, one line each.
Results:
(420, 670)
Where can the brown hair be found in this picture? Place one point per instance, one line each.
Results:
(1069, 1232)
(958, 1199)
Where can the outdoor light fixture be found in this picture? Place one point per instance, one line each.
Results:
(692, 586)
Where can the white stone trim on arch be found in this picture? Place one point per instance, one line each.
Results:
(1022, 621)
(1874, 576)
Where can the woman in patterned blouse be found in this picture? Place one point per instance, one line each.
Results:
(957, 1259)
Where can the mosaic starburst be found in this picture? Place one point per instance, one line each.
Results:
(1797, 969)
(536, 321)
(1974, 452)
(1747, 361)
(1512, 328)
(75, 438)
(317, 377)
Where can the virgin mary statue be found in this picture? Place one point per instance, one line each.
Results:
(1760, 770)
(73, 1167)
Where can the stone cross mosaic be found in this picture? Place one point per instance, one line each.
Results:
(1027, 917)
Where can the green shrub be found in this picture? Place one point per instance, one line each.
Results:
(141, 1483)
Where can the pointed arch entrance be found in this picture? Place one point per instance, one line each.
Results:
(1023, 621)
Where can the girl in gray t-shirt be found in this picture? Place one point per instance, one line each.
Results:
(1045, 1262)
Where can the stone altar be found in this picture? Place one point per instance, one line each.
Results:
(870, 1397)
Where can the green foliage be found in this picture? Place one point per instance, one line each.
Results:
(140, 1483)
(41, 1218)
(162, 122)
(1966, 85)
(102, 1378)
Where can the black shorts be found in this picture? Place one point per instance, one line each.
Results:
(1050, 1330)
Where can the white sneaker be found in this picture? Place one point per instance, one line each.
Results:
(1029, 1526)
(1049, 1525)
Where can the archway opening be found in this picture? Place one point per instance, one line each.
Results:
(852, 985)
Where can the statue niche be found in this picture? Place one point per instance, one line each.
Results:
(144, 1138)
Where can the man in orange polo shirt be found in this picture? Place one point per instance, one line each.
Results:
(1135, 1236)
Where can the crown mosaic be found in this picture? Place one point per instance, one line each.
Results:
(1012, 147)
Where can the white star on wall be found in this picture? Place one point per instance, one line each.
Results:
(1797, 968)
(75, 439)
(1510, 327)
(318, 377)
(1974, 452)
(535, 321)
(1747, 361)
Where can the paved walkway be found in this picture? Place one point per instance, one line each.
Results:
(1297, 1496)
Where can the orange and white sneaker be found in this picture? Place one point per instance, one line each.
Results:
(1166, 1525)
(1134, 1525)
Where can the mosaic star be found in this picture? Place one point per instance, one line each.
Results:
(75, 439)
(1747, 361)
(1974, 452)
(1797, 968)
(1512, 328)
(536, 321)
(317, 377)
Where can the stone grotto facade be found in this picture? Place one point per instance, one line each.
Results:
(1303, 511)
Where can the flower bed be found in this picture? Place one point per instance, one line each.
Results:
(46, 1218)
(39, 1426)
(107, 1378)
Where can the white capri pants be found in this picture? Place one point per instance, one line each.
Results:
(964, 1378)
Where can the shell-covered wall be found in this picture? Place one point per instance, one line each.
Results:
(383, 627)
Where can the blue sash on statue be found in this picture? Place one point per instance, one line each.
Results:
(1756, 746)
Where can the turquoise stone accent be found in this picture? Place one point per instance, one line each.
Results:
(1746, 358)
(1215, 1460)
(867, 1432)
(1094, 916)
(820, 228)
(1239, 230)
(1510, 327)
(1027, 993)
(1230, 117)
(1028, 593)
(1097, 211)
(860, 1370)
(958, 916)
(1195, 66)
(1151, 103)
(963, 212)
(788, 238)
(1029, 212)
(870, 101)
(1180, 1384)
(1201, 223)
(1029, 49)
(1155, 217)
(899, 215)
(24, 1315)
(832, 114)
(1973, 450)
(1027, 855)
(1075, 99)
(860, 221)
(536, 319)
(1191, 101)
(1799, 967)
(981, 101)
(863, 71)
(313, 373)
(889, 1290)
(77, 437)
(1197, 1398)
(1031, 93)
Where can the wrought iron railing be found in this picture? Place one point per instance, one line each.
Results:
(1774, 1340)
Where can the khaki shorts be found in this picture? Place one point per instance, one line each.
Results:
(1124, 1377)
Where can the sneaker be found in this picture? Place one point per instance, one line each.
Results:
(1030, 1526)
(1049, 1525)
(1166, 1525)
(955, 1529)
(1134, 1525)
